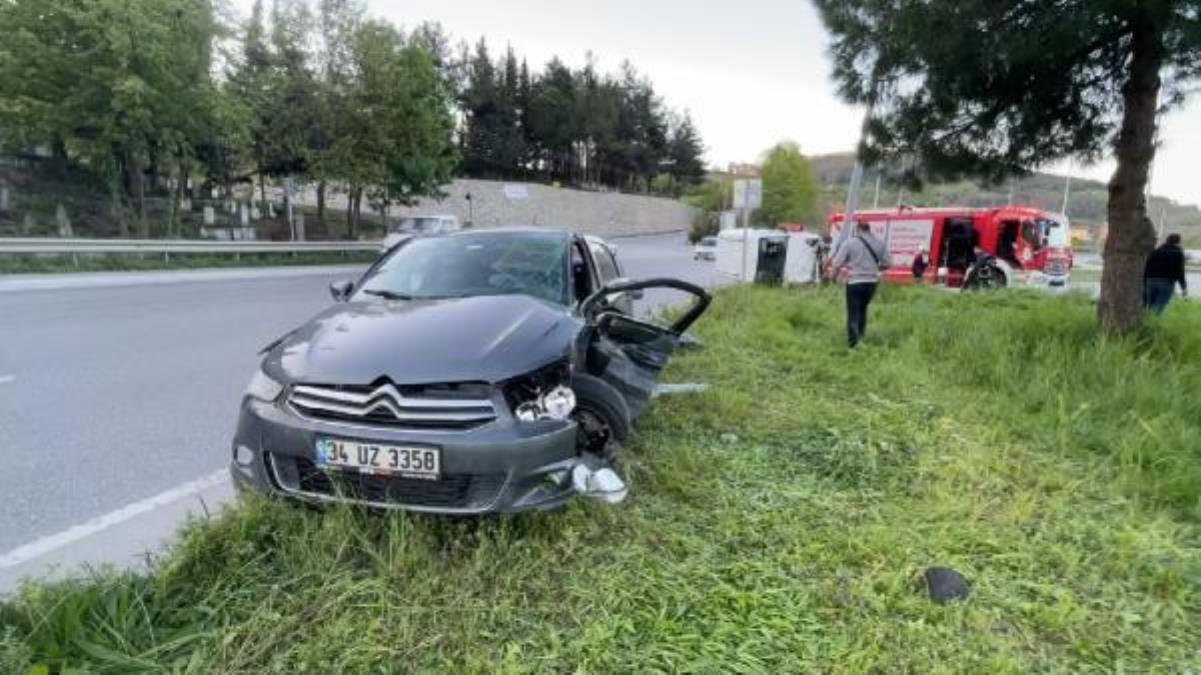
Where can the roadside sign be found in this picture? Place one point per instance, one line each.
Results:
(748, 193)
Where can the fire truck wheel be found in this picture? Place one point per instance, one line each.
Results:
(985, 278)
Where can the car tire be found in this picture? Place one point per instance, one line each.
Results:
(603, 416)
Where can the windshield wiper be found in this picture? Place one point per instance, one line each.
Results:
(387, 295)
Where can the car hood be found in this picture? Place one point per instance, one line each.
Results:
(480, 339)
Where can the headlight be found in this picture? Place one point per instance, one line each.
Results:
(543, 394)
(555, 404)
(263, 388)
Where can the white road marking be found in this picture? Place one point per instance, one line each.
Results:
(5, 379)
(53, 542)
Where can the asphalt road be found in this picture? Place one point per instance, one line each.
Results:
(119, 392)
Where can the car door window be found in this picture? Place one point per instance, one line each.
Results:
(580, 276)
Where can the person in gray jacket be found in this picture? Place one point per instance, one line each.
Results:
(864, 257)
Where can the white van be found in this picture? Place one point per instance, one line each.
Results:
(414, 226)
(731, 245)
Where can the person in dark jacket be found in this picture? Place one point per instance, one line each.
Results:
(1165, 269)
(921, 263)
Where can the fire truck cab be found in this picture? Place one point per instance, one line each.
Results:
(1028, 246)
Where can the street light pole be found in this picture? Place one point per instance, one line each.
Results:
(848, 218)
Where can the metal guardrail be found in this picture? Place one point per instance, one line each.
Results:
(168, 246)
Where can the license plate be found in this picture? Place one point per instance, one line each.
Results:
(388, 460)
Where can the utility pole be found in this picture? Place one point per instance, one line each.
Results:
(901, 187)
(848, 214)
(1067, 194)
(876, 201)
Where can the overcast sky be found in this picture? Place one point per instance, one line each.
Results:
(751, 72)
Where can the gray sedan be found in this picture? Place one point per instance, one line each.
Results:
(467, 373)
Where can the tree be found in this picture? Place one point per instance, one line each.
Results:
(710, 198)
(292, 119)
(401, 124)
(640, 133)
(510, 140)
(596, 112)
(552, 119)
(338, 25)
(484, 122)
(1011, 84)
(685, 152)
(790, 192)
(114, 85)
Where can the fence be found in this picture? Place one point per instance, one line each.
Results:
(167, 247)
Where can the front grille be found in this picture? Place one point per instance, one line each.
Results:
(451, 491)
(1056, 267)
(447, 406)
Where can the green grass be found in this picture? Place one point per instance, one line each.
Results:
(41, 264)
(778, 523)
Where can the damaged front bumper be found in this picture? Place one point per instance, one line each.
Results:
(502, 467)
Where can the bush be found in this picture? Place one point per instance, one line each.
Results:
(703, 225)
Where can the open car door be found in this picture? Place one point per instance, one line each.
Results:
(629, 353)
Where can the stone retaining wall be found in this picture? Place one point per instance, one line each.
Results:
(496, 204)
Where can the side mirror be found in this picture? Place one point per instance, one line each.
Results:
(341, 290)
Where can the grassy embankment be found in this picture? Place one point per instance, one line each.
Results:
(778, 523)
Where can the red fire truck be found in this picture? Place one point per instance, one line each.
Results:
(1018, 244)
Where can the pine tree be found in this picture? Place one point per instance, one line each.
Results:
(686, 152)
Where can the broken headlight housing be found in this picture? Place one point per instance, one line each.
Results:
(544, 394)
(263, 387)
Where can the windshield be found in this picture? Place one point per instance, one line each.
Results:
(472, 265)
(1058, 234)
(709, 241)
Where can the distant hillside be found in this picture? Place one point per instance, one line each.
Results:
(1043, 190)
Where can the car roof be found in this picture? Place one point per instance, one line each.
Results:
(509, 231)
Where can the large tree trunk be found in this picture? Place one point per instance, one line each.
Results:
(181, 188)
(137, 190)
(358, 213)
(1131, 235)
(60, 160)
(154, 168)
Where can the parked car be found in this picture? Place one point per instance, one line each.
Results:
(416, 226)
(488, 371)
(705, 249)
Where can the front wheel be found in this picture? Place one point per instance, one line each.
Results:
(602, 416)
